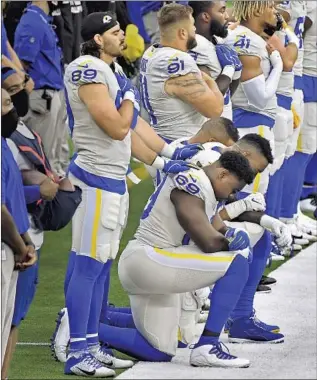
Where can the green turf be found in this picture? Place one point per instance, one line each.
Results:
(34, 362)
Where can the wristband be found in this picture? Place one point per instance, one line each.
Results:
(292, 38)
(158, 163)
(266, 222)
(235, 209)
(228, 71)
(129, 95)
(237, 75)
(167, 151)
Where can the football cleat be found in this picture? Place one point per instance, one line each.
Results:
(60, 337)
(84, 364)
(271, 328)
(265, 280)
(215, 356)
(263, 289)
(105, 356)
(251, 330)
(309, 204)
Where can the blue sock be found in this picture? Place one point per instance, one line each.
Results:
(293, 183)
(304, 158)
(310, 184)
(104, 306)
(223, 299)
(132, 343)
(78, 299)
(272, 196)
(279, 191)
(119, 319)
(69, 270)
(261, 251)
(95, 306)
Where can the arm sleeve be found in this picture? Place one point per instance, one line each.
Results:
(32, 193)
(27, 43)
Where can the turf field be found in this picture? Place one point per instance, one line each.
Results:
(34, 361)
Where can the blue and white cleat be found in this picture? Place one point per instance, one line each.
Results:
(265, 326)
(60, 337)
(251, 330)
(105, 356)
(215, 356)
(84, 364)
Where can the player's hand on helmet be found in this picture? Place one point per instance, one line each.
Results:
(177, 166)
(255, 202)
(186, 151)
(238, 239)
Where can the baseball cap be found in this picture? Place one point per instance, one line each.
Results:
(97, 23)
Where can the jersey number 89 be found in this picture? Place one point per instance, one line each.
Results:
(89, 74)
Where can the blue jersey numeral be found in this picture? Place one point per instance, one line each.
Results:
(299, 29)
(175, 66)
(86, 74)
(242, 42)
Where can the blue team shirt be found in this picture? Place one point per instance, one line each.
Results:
(36, 42)
(12, 192)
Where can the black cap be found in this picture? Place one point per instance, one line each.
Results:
(97, 23)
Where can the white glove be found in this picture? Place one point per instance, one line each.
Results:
(279, 229)
(276, 59)
(253, 202)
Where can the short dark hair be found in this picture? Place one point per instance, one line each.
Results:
(230, 128)
(236, 163)
(90, 47)
(172, 13)
(260, 143)
(199, 7)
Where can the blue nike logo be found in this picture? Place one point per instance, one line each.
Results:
(84, 66)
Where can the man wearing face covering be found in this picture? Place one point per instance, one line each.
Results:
(212, 57)
(36, 44)
(177, 96)
(17, 249)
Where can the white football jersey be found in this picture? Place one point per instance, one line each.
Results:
(170, 116)
(297, 12)
(97, 152)
(205, 54)
(310, 41)
(246, 42)
(159, 226)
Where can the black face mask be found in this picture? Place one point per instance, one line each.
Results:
(9, 123)
(21, 102)
(218, 30)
